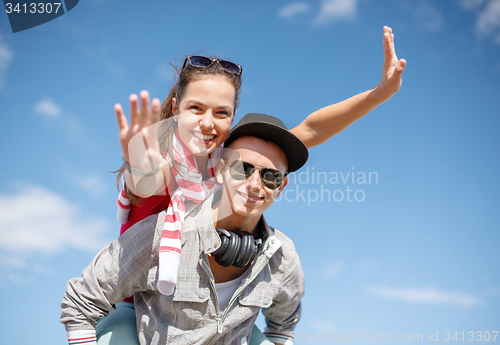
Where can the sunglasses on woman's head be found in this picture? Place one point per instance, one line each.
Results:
(203, 62)
(241, 170)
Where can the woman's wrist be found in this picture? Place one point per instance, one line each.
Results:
(136, 172)
(144, 183)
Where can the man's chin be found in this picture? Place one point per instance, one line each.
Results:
(246, 211)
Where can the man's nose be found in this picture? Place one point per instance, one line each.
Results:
(253, 182)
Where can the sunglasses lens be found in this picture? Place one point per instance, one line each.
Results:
(203, 61)
(272, 178)
(230, 67)
(240, 170)
(200, 61)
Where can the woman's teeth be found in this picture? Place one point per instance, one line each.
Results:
(203, 137)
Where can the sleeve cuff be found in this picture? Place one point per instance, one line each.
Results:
(82, 337)
(283, 337)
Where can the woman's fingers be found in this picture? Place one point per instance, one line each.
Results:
(123, 130)
(134, 111)
(155, 114)
(145, 110)
(120, 117)
(400, 66)
(389, 52)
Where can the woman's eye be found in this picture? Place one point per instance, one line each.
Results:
(195, 108)
(223, 113)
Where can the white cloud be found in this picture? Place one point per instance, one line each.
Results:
(333, 268)
(70, 125)
(471, 4)
(331, 10)
(92, 185)
(6, 56)
(488, 17)
(35, 220)
(293, 9)
(428, 16)
(488, 20)
(47, 108)
(424, 296)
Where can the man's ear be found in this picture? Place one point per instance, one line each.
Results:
(285, 182)
(220, 170)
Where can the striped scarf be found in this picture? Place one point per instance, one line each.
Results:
(190, 187)
(123, 204)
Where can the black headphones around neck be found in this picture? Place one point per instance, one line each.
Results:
(238, 248)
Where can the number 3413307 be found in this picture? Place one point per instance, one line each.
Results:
(33, 7)
(471, 336)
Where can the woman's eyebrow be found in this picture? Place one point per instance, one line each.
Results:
(195, 101)
(228, 108)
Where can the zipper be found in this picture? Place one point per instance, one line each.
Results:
(220, 320)
(219, 325)
(206, 268)
(241, 288)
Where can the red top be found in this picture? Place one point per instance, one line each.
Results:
(147, 207)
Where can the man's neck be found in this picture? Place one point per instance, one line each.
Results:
(235, 222)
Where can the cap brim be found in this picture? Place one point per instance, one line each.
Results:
(295, 150)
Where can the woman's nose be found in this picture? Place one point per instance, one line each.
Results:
(207, 120)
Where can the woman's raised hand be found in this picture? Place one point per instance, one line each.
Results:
(141, 120)
(392, 69)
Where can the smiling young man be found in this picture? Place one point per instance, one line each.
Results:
(232, 266)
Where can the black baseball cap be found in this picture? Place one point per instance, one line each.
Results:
(271, 128)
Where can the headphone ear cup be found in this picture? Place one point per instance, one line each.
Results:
(228, 257)
(253, 250)
(246, 250)
(253, 255)
(224, 236)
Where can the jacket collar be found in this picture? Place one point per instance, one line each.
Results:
(210, 238)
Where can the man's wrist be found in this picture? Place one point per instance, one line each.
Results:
(82, 337)
(283, 337)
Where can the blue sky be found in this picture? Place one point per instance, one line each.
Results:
(416, 252)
